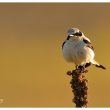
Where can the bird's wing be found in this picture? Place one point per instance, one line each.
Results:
(88, 43)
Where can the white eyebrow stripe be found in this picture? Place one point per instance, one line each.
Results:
(71, 35)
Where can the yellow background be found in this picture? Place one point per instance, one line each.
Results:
(32, 68)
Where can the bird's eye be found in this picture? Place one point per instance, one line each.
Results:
(78, 33)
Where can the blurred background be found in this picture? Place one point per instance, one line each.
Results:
(32, 67)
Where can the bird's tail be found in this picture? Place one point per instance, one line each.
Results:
(97, 64)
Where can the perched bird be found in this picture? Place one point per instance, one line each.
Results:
(78, 49)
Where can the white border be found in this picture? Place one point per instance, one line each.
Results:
(55, 1)
(55, 108)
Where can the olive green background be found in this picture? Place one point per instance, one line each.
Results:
(32, 67)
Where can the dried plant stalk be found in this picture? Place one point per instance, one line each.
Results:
(79, 87)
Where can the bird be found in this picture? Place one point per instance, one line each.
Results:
(78, 49)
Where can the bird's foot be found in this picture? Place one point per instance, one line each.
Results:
(82, 69)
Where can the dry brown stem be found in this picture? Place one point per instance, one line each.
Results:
(79, 87)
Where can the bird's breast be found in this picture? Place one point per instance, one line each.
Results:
(69, 51)
(77, 52)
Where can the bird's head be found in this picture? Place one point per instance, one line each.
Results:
(74, 33)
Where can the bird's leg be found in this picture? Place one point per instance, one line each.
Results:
(82, 68)
(87, 64)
